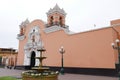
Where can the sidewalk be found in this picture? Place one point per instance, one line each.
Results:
(17, 74)
(84, 77)
(10, 72)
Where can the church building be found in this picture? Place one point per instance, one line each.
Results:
(85, 52)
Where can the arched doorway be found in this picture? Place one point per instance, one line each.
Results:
(32, 59)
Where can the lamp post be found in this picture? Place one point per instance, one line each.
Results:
(62, 51)
(117, 47)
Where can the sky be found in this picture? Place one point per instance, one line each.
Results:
(81, 16)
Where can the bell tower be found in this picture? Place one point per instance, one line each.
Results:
(56, 16)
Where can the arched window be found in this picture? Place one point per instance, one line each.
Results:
(61, 21)
(51, 20)
(21, 31)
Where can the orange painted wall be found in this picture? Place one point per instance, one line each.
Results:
(90, 49)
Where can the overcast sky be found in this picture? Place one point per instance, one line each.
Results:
(81, 15)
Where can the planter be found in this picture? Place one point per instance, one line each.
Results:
(33, 75)
(49, 77)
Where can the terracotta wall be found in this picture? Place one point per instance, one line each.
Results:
(90, 49)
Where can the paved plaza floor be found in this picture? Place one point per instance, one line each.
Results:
(17, 74)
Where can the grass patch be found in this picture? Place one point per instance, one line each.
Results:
(18, 79)
(2, 66)
(8, 78)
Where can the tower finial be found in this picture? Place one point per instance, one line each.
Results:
(56, 8)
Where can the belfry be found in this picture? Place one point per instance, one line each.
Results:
(56, 16)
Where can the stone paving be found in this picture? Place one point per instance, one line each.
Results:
(17, 74)
(84, 77)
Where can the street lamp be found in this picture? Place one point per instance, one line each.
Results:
(62, 51)
(117, 48)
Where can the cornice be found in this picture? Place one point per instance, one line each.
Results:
(115, 25)
(57, 28)
(20, 37)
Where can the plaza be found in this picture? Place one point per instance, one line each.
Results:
(82, 52)
(17, 74)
